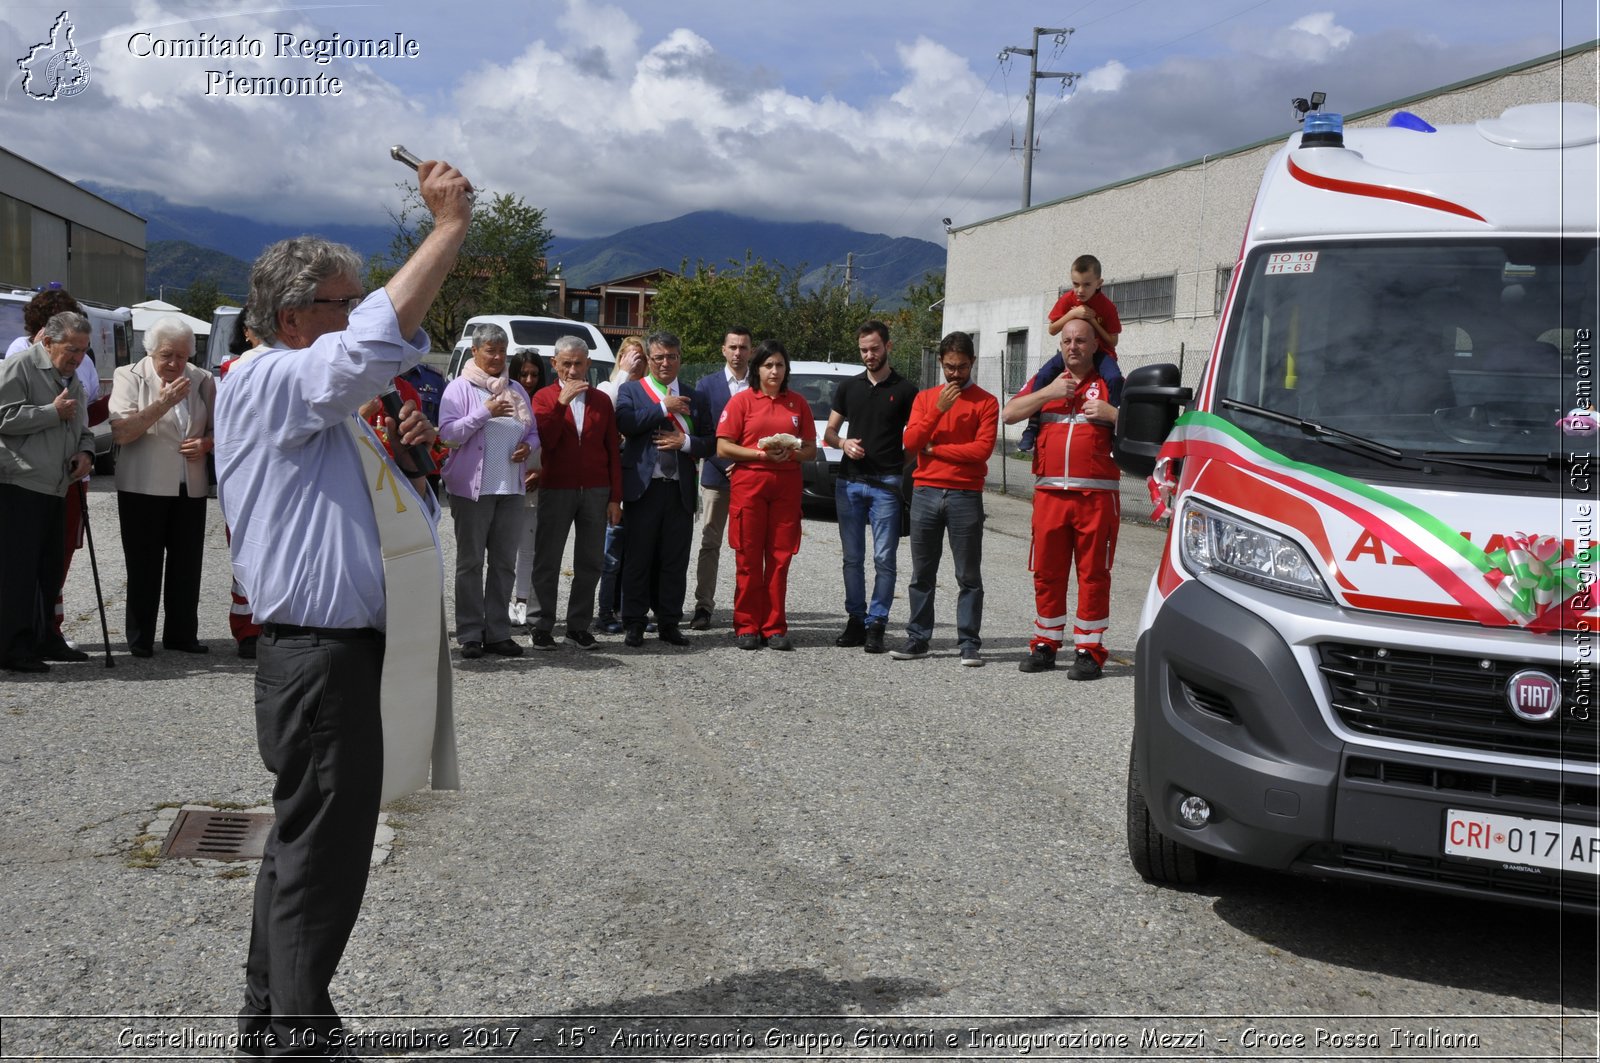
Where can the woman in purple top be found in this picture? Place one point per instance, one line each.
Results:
(487, 421)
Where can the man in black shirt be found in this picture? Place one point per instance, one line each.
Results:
(875, 406)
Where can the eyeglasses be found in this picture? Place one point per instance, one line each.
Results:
(347, 304)
(667, 356)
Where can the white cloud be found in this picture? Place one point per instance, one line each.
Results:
(606, 125)
(1107, 78)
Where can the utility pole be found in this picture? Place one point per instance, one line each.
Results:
(1034, 74)
(849, 270)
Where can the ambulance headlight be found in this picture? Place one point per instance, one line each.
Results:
(1224, 544)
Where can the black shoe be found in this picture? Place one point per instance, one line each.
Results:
(780, 643)
(25, 664)
(748, 642)
(701, 621)
(633, 635)
(186, 647)
(914, 649)
(670, 634)
(855, 633)
(543, 640)
(247, 647)
(874, 639)
(471, 651)
(504, 648)
(1084, 667)
(60, 651)
(1040, 659)
(610, 625)
(581, 639)
(141, 651)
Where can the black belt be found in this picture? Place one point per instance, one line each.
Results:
(335, 634)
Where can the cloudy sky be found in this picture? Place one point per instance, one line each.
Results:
(882, 116)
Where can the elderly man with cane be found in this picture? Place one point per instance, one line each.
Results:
(336, 545)
(45, 447)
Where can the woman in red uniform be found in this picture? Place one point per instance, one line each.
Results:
(764, 499)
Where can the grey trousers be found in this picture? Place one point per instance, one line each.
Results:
(581, 510)
(935, 511)
(487, 533)
(713, 533)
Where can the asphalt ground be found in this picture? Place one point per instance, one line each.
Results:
(676, 853)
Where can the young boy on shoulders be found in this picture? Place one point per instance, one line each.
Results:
(1083, 300)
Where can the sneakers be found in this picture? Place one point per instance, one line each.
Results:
(914, 649)
(874, 639)
(1084, 667)
(581, 639)
(701, 621)
(751, 641)
(970, 658)
(503, 648)
(519, 613)
(542, 640)
(471, 651)
(1041, 658)
(780, 642)
(854, 634)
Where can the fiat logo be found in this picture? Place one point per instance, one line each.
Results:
(1533, 695)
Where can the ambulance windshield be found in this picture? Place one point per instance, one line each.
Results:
(1477, 350)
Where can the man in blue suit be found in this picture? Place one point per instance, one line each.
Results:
(717, 389)
(664, 430)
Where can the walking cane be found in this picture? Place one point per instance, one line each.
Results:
(94, 566)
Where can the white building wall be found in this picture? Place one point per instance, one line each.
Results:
(1004, 274)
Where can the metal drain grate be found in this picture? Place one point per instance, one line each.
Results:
(211, 835)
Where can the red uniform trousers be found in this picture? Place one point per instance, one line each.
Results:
(74, 539)
(1073, 527)
(241, 621)
(764, 531)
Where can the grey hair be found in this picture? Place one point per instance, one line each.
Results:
(67, 323)
(570, 343)
(286, 276)
(487, 333)
(666, 340)
(167, 328)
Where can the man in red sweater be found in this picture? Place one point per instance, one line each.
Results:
(580, 490)
(951, 431)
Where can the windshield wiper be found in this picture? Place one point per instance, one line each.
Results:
(1319, 431)
(1338, 437)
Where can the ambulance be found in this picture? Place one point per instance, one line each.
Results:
(1369, 649)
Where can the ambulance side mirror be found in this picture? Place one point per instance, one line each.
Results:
(1152, 398)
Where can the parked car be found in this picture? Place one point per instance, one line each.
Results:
(539, 335)
(818, 383)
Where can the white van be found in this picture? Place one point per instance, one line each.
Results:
(538, 334)
(1368, 651)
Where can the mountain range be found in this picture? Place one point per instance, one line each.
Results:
(186, 244)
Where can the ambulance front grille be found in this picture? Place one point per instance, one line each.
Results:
(1454, 700)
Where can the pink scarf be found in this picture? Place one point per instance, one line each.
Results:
(494, 385)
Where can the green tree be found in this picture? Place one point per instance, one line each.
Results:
(917, 327)
(700, 304)
(501, 268)
(200, 299)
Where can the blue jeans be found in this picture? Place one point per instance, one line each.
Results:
(936, 511)
(875, 499)
(610, 574)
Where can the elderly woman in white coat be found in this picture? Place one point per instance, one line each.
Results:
(161, 419)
